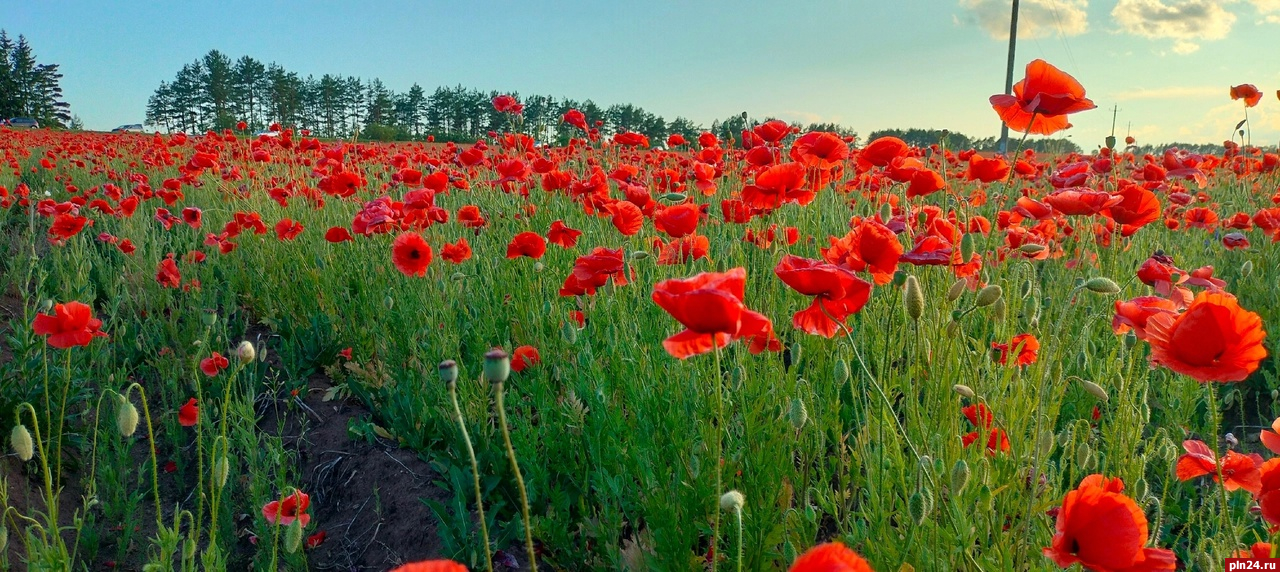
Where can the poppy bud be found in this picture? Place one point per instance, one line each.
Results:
(20, 438)
(458, 276)
(674, 197)
(1140, 488)
(1094, 390)
(209, 318)
(1044, 446)
(448, 370)
(959, 476)
(221, 468)
(538, 266)
(46, 305)
(1102, 285)
(189, 549)
(1031, 248)
(964, 390)
(899, 278)
(293, 538)
(988, 296)
(389, 302)
(1084, 456)
(956, 290)
(1246, 269)
(569, 333)
(913, 298)
(639, 255)
(998, 310)
(886, 212)
(732, 501)
(1026, 289)
(841, 371)
(796, 351)
(953, 328)
(497, 365)
(262, 352)
(4, 537)
(798, 415)
(920, 505)
(1275, 394)
(246, 352)
(966, 248)
(126, 418)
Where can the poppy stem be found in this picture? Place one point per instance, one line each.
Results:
(720, 427)
(62, 414)
(1212, 399)
(475, 474)
(515, 468)
(151, 444)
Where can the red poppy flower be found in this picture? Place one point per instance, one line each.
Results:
(982, 419)
(1134, 314)
(838, 293)
(411, 254)
(777, 185)
(288, 229)
(1025, 344)
(710, 307)
(530, 244)
(338, 234)
(191, 216)
(1240, 471)
(631, 139)
(575, 118)
(1269, 493)
(1257, 550)
(563, 236)
(1081, 201)
(1271, 437)
(507, 104)
(1235, 240)
(432, 565)
(72, 324)
(1102, 529)
(830, 557)
(882, 151)
(293, 507)
(1042, 100)
(524, 357)
(315, 540)
(65, 226)
(1214, 340)
(677, 220)
(870, 247)
(1137, 208)
(470, 217)
(986, 170)
(167, 273)
(820, 150)
(593, 270)
(627, 217)
(682, 250)
(214, 364)
(1248, 93)
(343, 184)
(189, 414)
(456, 252)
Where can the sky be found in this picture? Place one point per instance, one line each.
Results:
(1166, 65)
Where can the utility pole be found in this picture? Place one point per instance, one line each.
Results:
(1008, 74)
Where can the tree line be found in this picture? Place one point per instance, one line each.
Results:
(29, 88)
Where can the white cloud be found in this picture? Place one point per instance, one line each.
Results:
(1268, 10)
(1172, 92)
(1184, 21)
(1036, 18)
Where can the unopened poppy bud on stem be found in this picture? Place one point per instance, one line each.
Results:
(956, 290)
(293, 538)
(988, 296)
(1094, 390)
(1031, 248)
(639, 255)
(732, 501)
(798, 414)
(966, 247)
(913, 298)
(20, 438)
(126, 418)
(448, 370)
(1102, 285)
(964, 390)
(246, 353)
(497, 366)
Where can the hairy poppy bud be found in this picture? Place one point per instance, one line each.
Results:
(956, 290)
(221, 469)
(126, 418)
(674, 197)
(538, 266)
(4, 537)
(246, 352)
(966, 248)
(262, 352)
(1102, 285)
(964, 390)
(389, 302)
(639, 255)
(886, 212)
(458, 276)
(959, 476)
(920, 505)
(46, 305)
(953, 328)
(913, 298)
(841, 371)
(1084, 456)
(189, 549)
(998, 310)
(1031, 248)
(569, 333)
(293, 538)
(448, 370)
(1026, 289)
(1246, 269)
(988, 296)
(1094, 390)
(732, 501)
(798, 414)
(20, 438)
(497, 365)
(1046, 443)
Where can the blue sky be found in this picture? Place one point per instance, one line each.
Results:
(1167, 64)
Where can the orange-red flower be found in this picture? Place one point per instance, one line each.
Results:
(189, 414)
(777, 185)
(1269, 493)
(986, 170)
(411, 254)
(338, 234)
(627, 217)
(1134, 314)
(1214, 340)
(593, 270)
(1271, 437)
(525, 357)
(1025, 344)
(72, 324)
(1104, 530)
(1042, 100)
(214, 364)
(837, 292)
(710, 306)
(530, 244)
(871, 247)
(167, 273)
(456, 252)
(1248, 93)
(677, 220)
(293, 507)
(435, 565)
(563, 236)
(821, 150)
(1240, 471)
(830, 557)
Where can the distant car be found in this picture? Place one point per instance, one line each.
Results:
(23, 123)
(130, 128)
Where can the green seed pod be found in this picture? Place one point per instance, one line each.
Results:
(966, 247)
(126, 418)
(1102, 285)
(899, 278)
(497, 366)
(20, 438)
(920, 505)
(1130, 339)
(1110, 141)
(293, 538)
(732, 501)
(956, 290)
(988, 295)
(964, 390)
(1025, 290)
(448, 371)
(209, 318)
(538, 266)
(1246, 269)
(886, 212)
(959, 476)
(1094, 390)
(913, 298)
(798, 414)
(841, 371)
(639, 255)
(999, 311)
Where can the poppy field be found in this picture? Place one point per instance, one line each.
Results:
(776, 350)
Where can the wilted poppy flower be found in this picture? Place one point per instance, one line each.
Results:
(214, 364)
(72, 324)
(432, 566)
(837, 293)
(411, 254)
(1025, 344)
(1042, 100)
(563, 236)
(524, 357)
(871, 247)
(1102, 529)
(710, 307)
(293, 507)
(1240, 471)
(189, 414)
(830, 557)
(1214, 340)
(1235, 240)
(530, 244)
(1248, 93)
